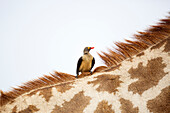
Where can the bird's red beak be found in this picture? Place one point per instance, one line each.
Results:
(91, 47)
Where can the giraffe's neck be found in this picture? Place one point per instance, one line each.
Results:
(136, 80)
(140, 84)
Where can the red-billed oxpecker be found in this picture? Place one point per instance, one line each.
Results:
(85, 62)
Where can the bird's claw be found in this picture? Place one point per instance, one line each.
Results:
(91, 73)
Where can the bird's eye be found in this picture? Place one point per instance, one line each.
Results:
(88, 47)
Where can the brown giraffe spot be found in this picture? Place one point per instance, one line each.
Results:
(103, 107)
(14, 110)
(75, 105)
(140, 54)
(127, 106)
(160, 104)
(46, 93)
(148, 76)
(63, 87)
(30, 109)
(107, 82)
(167, 46)
(12, 101)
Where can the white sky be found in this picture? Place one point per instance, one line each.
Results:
(40, 36)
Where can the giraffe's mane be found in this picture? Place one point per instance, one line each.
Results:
(46, 80)
(143, 40)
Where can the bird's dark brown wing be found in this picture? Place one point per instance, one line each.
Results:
(78, 65)
(93, 62)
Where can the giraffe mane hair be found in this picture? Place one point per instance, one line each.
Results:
(46, 80)
(142, 41)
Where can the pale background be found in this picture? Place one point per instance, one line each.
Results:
(40, 36)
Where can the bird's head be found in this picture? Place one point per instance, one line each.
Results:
(87, 49)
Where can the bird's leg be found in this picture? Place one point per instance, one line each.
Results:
(91, 72)
(77, 76)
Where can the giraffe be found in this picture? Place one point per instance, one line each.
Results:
(136, 79)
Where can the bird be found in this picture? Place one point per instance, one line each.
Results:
(85, 62)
